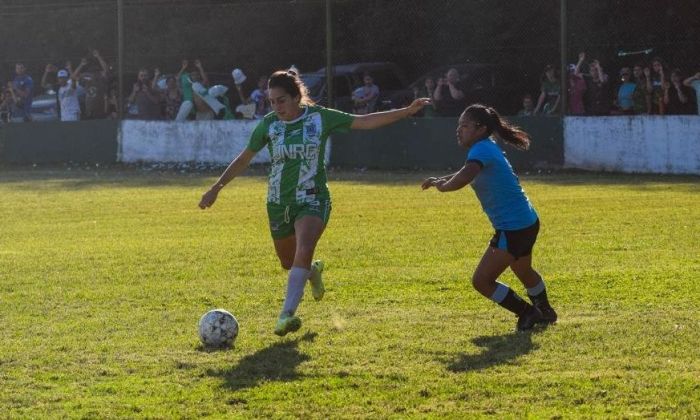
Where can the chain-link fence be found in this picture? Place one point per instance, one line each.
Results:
(498, 48)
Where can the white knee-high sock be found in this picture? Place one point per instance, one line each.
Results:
(295, 289)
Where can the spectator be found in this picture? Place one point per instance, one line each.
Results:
(246, 109)
(143, 101)
(656, 79)
(96, 88)
(577, 87)
(195, 95)
(49, 71)
(641, 95)
(171, 97)
(365, 97)
(528, 107)
(449, 97)
(625, 93)
(694, 82)
(676, 96)
(259, 98)
(7, 102)
(23, 90)
(111, 104)
(550, 95)
(426, 91)
(68, 91)
(598, 98)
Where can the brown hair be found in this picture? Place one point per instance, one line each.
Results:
(289, 81)
(502, 129)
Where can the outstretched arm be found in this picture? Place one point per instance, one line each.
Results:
(380, 119)
(75, 74)
(689, 81)
(457, 181)
(237, 166)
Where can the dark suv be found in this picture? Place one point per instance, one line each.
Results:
(347, 77)
(499, 86)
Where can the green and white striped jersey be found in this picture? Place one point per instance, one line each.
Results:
(297, 148)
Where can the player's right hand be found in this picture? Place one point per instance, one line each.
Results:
(430, 182)
(208, 198)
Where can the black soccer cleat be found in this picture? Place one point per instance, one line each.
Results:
(529, 318)
(549, 316)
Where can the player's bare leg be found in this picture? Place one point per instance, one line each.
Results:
(308, 231)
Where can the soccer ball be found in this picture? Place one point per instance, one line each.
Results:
(218, 328)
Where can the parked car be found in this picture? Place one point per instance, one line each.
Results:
(347, 77)
(45, 107)
(499, 86)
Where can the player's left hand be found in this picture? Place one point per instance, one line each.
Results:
(417, 105)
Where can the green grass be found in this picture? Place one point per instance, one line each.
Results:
(104, 275)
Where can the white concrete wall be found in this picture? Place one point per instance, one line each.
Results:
(191, 141)
(646, 144)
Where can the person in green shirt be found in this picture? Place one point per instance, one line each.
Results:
(298, 200)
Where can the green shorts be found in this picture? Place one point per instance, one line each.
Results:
(282, 217)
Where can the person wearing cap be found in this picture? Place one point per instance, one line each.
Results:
(550, 93)
(298, 199)
(68, 91)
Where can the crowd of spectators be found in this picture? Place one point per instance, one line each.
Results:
(89, 91)
(646, 88)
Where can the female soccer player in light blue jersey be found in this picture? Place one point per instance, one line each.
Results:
(507, 207)
(298, 200)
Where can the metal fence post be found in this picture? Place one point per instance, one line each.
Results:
(564, 67)
(329, 53)
(120, 58)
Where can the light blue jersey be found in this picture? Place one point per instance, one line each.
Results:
(498, 189)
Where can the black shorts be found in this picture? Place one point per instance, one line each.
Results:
(518, 243)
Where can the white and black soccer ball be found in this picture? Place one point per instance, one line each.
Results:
(218, 328)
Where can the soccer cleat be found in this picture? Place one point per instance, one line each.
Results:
(287, 323)
(549, 316)
(529, 318)
(317, 289)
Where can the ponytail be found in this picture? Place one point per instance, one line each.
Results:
(502, 129)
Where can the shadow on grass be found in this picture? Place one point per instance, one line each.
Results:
(77, 177)
(496, 350)
(277, 362)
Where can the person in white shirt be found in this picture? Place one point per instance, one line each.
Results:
(68, 93)
(365, 97)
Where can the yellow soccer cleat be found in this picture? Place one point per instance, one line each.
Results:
(317, 289)
(287, 323)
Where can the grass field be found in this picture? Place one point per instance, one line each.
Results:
(104, 275)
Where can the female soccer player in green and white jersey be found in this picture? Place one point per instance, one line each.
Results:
(298, 201)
